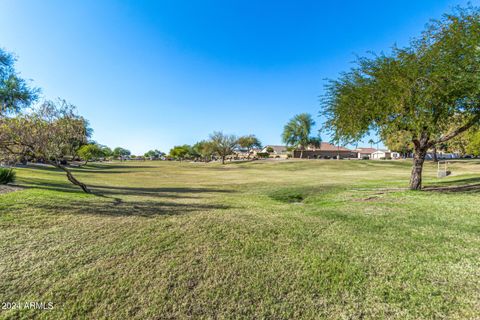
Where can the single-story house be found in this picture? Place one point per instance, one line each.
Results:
(384, 154)
(275, 151)
(324, 151)
(365, 152)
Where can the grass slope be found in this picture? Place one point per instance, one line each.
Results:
(291, 239)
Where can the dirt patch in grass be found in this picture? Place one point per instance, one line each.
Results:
(7, 188)
(367, 199)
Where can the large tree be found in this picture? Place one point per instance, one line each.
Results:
(473, 146)
(121, 153)
(181, 152)
(249, 142)
(153, 154)
(223, 144)
(204, 149)
(15, 93)
(417, 89)
(90, 151)
(296, 132)
(44, 134)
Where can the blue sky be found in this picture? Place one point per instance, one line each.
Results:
(153, 74)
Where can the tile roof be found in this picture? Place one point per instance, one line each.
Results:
(366, 150)
(330, 147)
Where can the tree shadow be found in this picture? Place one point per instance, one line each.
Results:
(119, 208)
(90, 168)
(160, 192)
(103, 190)
(107, 168)
(466, 185)
(109, 201)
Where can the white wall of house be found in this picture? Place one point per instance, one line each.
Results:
(381, 154)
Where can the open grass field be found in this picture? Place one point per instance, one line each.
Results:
(274, 240)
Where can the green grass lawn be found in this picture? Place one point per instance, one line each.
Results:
(274, 239)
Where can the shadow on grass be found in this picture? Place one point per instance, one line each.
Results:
(119, 208)
(467, 185)
(161, 192)
(106, 201)
(90, 168)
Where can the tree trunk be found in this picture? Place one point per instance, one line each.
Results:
(86, 161)
(418, 160)
(301, 153)
(435, 159)
(223, 159)
(71, 178)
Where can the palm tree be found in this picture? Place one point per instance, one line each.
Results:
(371, 142)
(296, 132)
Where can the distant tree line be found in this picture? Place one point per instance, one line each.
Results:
(217, 145)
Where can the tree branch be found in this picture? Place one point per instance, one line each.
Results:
(455, 132)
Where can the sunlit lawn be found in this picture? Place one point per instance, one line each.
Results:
(272, 239)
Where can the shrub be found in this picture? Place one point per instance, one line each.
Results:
(365, 158)
(7, 175)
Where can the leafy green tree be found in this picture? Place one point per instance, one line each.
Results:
(204, 149)
(223, 144)
(249, 142)
(89, 152)
(180, 152)
(400, 141)
(45, 133)
(296, 132)
(15, 93)
(417, 89)
(473, 146)
(106, 151)
(121, 153)
(154, 154)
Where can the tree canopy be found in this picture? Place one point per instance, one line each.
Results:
(204, 149)
(416, 89)
(223, 144)
(155, 154)
(121, 153)
(249, 142)
(90, 151)
(296, 133)
(46, 134)
(181, 152)
(15, 93)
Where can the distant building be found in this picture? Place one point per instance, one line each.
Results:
(384, 154)
(276, 151)
(324, 150)
(365, 152)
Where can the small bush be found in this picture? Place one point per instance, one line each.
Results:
(7, 175)
(365, 158)
(263, 154)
